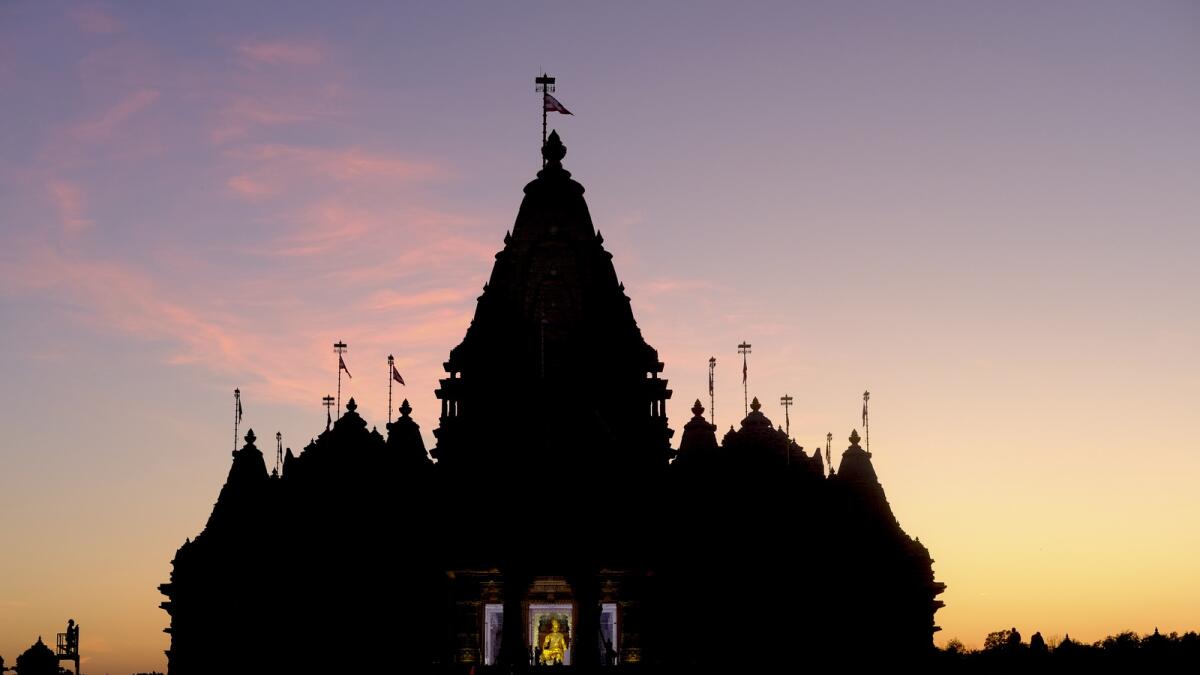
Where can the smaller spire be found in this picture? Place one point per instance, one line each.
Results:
(351, 406)
(554, 150)
(755, 405)
(405, 408)
(697, 409)
(854, 437)
(250, 437)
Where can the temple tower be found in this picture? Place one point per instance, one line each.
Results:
(553, 331)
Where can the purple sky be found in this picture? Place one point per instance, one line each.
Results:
(986, 214)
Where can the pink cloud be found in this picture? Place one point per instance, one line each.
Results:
(92, 19)
(281, 52)
(102, 127)
(443, 253)
(343, 165)
(71, 204)
(665, 286)
(389, 299)
(272, 337)
(118, 297)
(250, 187)
(243, 113)
(330, 225)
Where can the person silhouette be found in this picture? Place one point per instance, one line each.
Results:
(72, 637)
(610, 654)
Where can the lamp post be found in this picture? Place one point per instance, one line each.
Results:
(786, 402)
(328, 401)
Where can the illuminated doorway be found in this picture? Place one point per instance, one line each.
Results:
(551, 635)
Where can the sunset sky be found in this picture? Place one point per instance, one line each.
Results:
(987, 214)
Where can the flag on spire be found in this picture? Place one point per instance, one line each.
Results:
(342, 366)
(551, 104)
(710, 382)
(396, 375)
(744, 370)
(239, 409)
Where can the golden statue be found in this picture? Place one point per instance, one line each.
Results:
(554, 646)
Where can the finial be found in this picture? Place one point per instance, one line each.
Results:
(554, 150)
(351, 406)
(755, 405)
(250, 437)
(507, 237)
(697, 409)
(405, 408)
(854, 437)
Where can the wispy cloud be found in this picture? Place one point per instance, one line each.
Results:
(389, 299)
(250, 187)
(119, 297)
(339, 164)
(102, 126)
(282, 52)
(71, 204)
(242, 113)
(443, 253)
(348, 244)
(665, 286)
(330, 225)
(93, 19)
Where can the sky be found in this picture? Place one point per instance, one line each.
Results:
(984, 213)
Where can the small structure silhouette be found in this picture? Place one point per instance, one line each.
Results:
(37, 660)
(68, 645)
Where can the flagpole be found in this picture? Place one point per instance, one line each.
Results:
(237, 417)
(544, 85)
(866, 422)
(327, 401)
(391, 366)
(712, 397)
(828, 451)
(744, 349)
(339, 348)
(786, 402)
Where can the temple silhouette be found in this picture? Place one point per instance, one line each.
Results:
(558, 527)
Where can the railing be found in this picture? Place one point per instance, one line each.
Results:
(66, 646)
